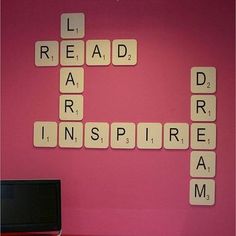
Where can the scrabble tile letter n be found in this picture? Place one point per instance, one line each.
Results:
(46, 53)
(70, 134)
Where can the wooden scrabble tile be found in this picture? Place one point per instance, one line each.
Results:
(123, 135)
(70, 134)
(176, 136)
(46, 53)
(124, 52)
(203, 136)
(72, 53)
(72, 25)
(45, 134)
(98, 52)
(96, 135)
(203, 79)
(203, 108)
(202, 192)
(203, 164)
(71, 107)
(149, 135)
(71, 80)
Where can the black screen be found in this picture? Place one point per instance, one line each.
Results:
(30, 205)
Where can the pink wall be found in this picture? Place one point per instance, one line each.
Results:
(120, 192)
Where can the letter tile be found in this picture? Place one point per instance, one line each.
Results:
(203, 136)
(124, 52)
(70, 134)
(96, 135)
(71, 107)
(202, 192)
(203, 79)
(72, 53)
(123, 135)
(46, 53)
(71, 80)
(45, 134)
(203, 164)
(203, 108)
(98, 52)
(176, 136)
(72, 25)
(149, 135)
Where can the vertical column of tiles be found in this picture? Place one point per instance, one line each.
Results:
(203, 136)
(71, 80)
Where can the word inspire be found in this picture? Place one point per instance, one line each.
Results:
(200, 135)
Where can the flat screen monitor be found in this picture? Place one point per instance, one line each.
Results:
(30, 205)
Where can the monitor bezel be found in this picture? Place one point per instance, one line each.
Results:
(44, 227)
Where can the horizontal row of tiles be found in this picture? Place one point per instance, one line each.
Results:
(123, 135)
(98, 52)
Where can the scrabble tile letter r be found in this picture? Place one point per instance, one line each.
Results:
(46, 53)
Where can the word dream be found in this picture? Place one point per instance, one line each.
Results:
(200, 135)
